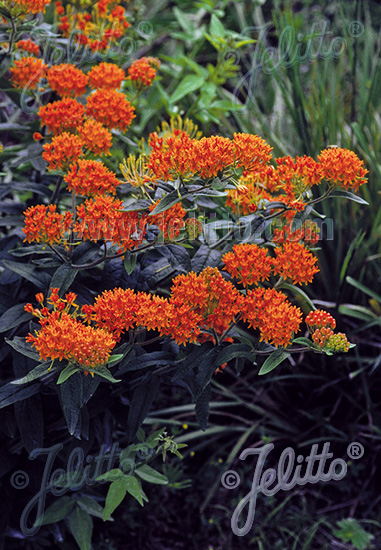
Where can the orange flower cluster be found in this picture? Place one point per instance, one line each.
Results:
(67, 80)
(142, 72)
(27, 72)
(45, 224)
(63, 115)
(28, 46)
(248, 263)
(170, 222)
(134, 310)
(308, 233)
(91, 177)
(343, 168)
(298, 175)
(249, 194)
(62, 151)
(179, 155)
(103, 218)
(106, 75)
(269, 311)
(201, 302)
(32, 6)
(96, 138)
(62, 336)
(326, 339)
(293, 261)
(105, 24)
(318, 319)
(111, 108)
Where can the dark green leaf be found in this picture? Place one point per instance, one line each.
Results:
(134, 488)
(116, 493)
(104, 373)
(129, 262)
(22, 346)
(28, 272)
(57, 511)
(141, 402)
(231, 351)
(177, 256)
(13, 317)
(37, 372)
(136, 205)
(273, 361)
(169, 200)
(63, 278)
(81, 527)
(90, 506)
(72, 400)
(112, 475)
(202, 407)
(347, 195)
(30, 422)
(150, 475)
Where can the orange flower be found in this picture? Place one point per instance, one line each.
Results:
(170, 157)
(248, 195)
(27, 72)
(293, 261)
(32, 6)
(210, 156)
(111, 108)
(248, 263)
(95, 137)
(102, 218)
(63, 337)
(106, 75)
(170, 222)
(142, 72)
(343, 168)
(63, 115)
(136, 172)
(153, 312)
(201, 302)
(321, 336)
(251, 152)
(67, 80)
(28, 46)
(62, 151)
(122, 301)
(269, 311)
(37, 136)
(45, 224)
(297, 176)
(318, 319)
(91, 177)
(308, 232)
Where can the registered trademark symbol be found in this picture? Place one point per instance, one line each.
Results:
(355, 450)
(355, 28)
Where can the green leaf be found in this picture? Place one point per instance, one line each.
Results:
(273, 361)
(81, 527)
(351, 531)
(134, 488)
(28, 272)
(10, 393)
(348, 195)
(13, 317)
(136, 205)
(176, 255)
(231, 351)
(22, 346)
(302, 298)
(305, 342)
(129, 262)
(189, 84)
(115, 358)
(141, 402)
(202, 407)
(216, 27)
(67, 372)
(91, 506)
(37, 372)
(112, 475)
(104, 373)
(169, 200)
(63, 278)
(57, 511)
(72, 400)
(150, 475)
(116, 493)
